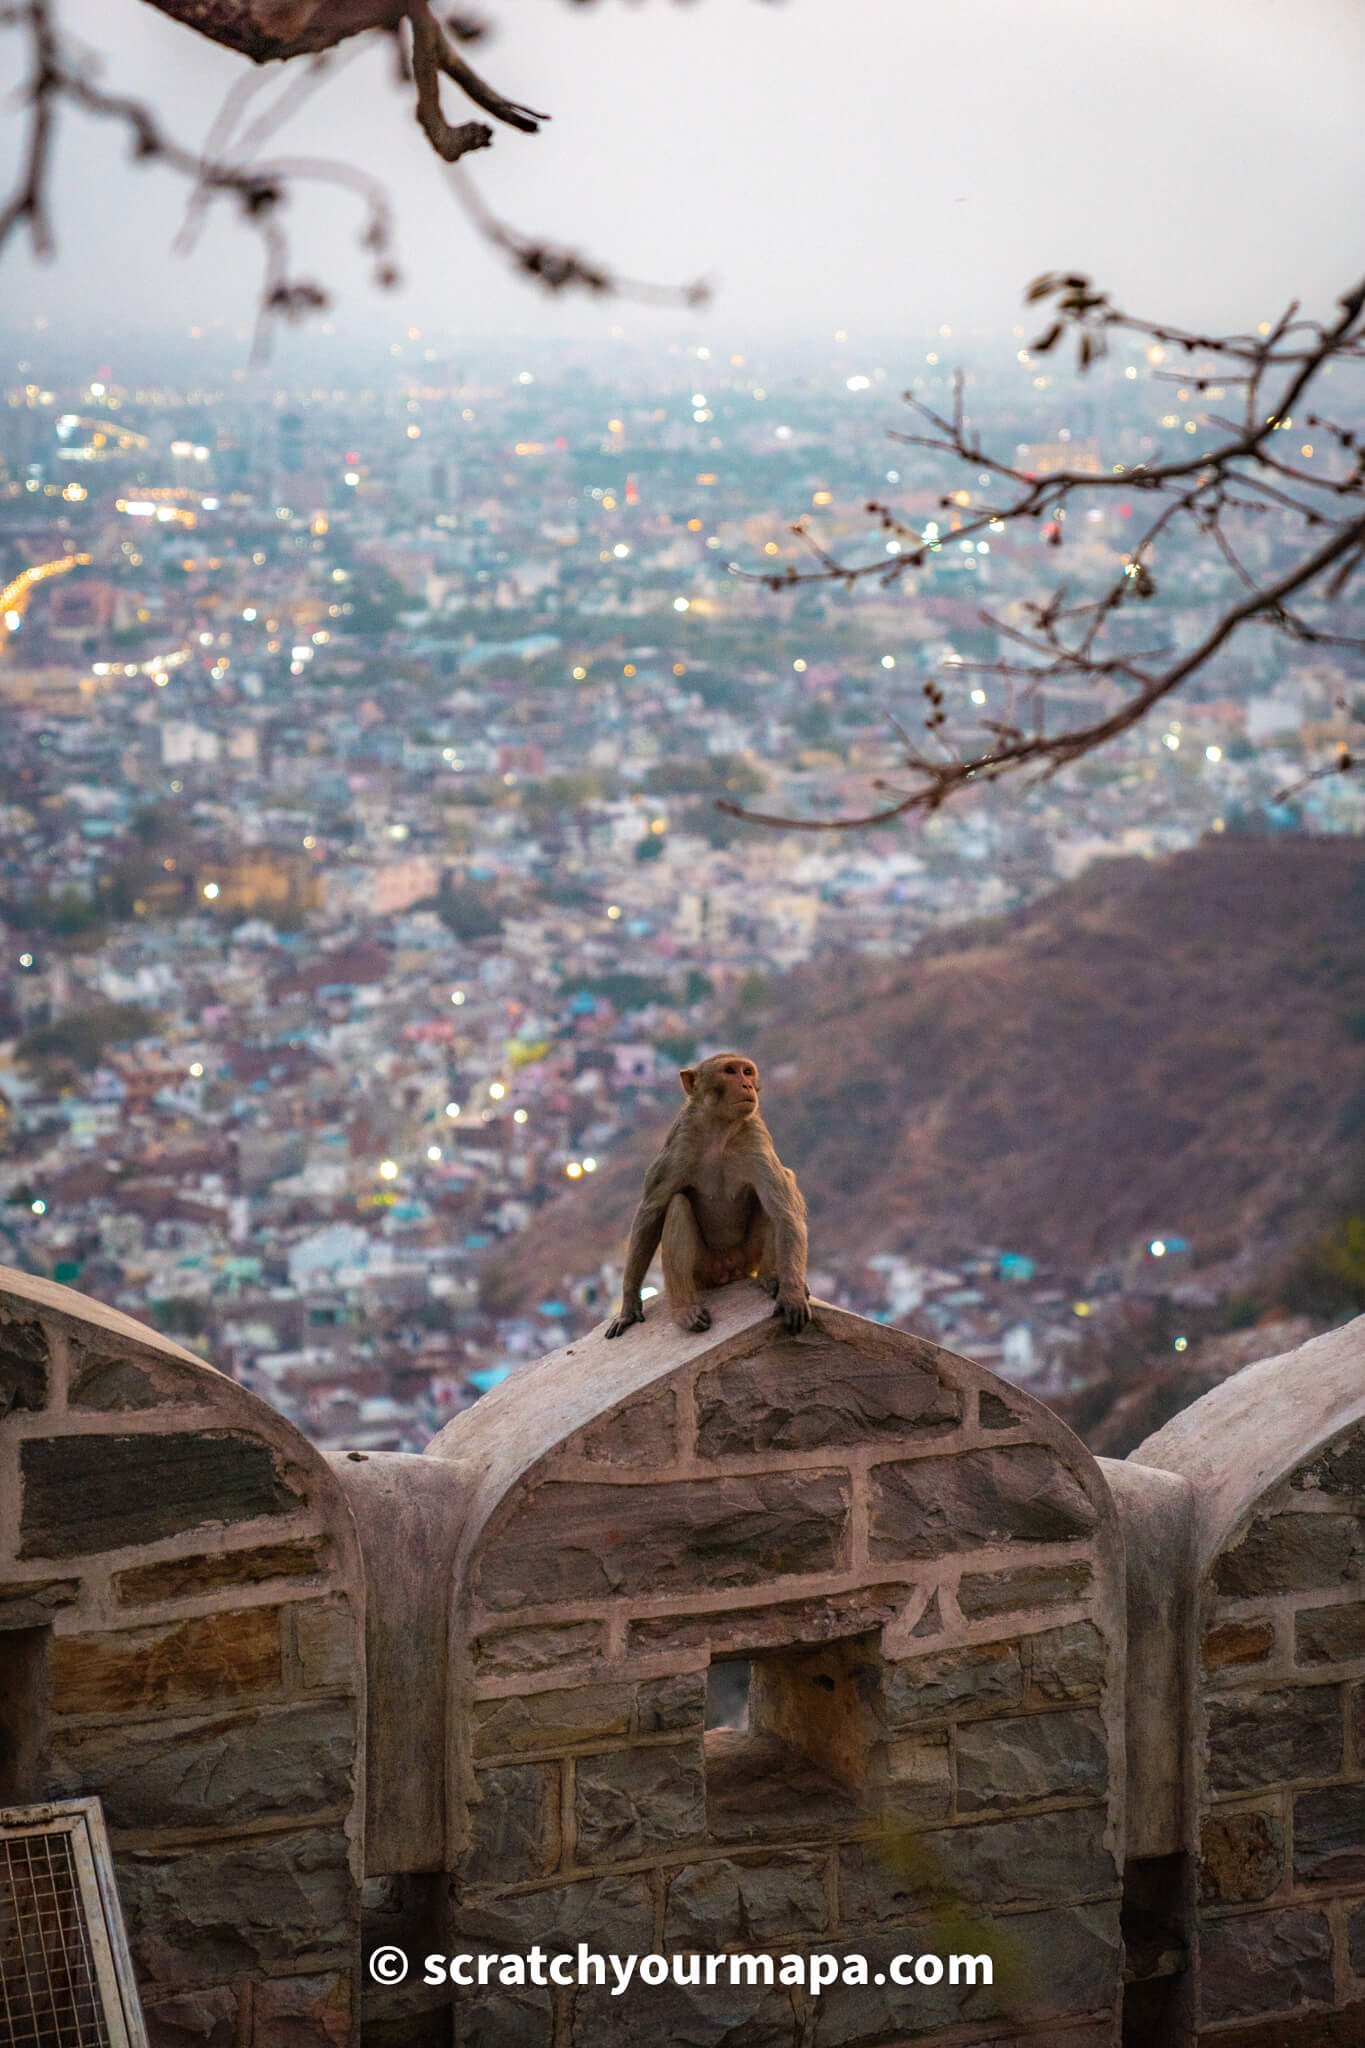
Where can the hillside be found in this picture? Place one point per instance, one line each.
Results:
(1173, 1046)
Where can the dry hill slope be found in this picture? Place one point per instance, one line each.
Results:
(1173, 1046)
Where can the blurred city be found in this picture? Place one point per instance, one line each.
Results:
(361, 877)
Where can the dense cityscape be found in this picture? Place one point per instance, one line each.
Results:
(361, 875)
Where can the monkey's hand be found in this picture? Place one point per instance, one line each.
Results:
(794, 1309)
(631, 1312)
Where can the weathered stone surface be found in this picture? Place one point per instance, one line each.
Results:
(1021, 1493)
(704, 2016)
(995, 1413)
(1036, 1756)
(672, 1706)
(1029, 1585)
(1330, 1635)
(209, 1916)
(762, 1789)
(930, 1622)
(614, 1915)
(1272, 1738)
(510, 1651)
(1231, 1643)
(205, 1658)
(636, 1800)
(187, 1578)
(1044, 1965)
(1329, 1836)
(238, 1768)
(920, 1773)
(640, 1433)
(514, 1824)
(760, 1628)
(1067, 1664)
(547, 1722)
(1340, 1469)
(1241, 1858)
(23, 1366)
(87, 1493)
(572, 1540)
(980, 1679)
(811, 1393)
(1355, 1930)
(31, 1603)
(511, 2018)
(1042, 1860)
(193, 2019)
(329, 1656)
(730, 1900)
(304, 2012)
(1264, 1962)
(1289, 1553)
(113, 1385)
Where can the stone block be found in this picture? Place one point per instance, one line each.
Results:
(823, 1620)
(1340, 1469)
(1329, 1836)
(1292, 1553)
(636, 1801)
(305, 2012)
(504, 1652)
(326, 1645)
(981, 1594)
(1067, 1664)
(1255, 1963)
(1034, 1756)
(613, 1915)
(228, 1772)
(937, 1687)
(1044, 1859)
(729, 1899)
(812, 1392)
(642, 1432)
(24, 1365)
(189, 1578)
(514, 1825)
(31, 1603)
(1273, 1738)
(1230, 1643)
(502, 2018)
(216, 1914)
(121, 1385)
(576, 1540)
(919, 1779)
(1241, 1858)
(548, 1722)
(993, 1413)
(193, 2019)
(91, 1493)
(207, 1657)
(1355, 1930)
(701, 2016)
(1016, 1493)
(672, 1706)
(1330, 1635)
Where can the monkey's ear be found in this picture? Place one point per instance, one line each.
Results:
(688, 1077)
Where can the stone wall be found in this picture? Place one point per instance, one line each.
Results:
(1275, 1460)
(921, 1568)
(181, 1615)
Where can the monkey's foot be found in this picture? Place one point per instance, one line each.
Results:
(618, 1325)
(697, 1318)
(772, 1288)
(794, 1309)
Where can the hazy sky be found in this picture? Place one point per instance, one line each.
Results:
(875, 165)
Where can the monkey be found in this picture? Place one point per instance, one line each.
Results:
(722, 1203)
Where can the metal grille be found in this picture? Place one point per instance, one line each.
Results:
(64, 1975)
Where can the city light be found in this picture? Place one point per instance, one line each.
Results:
(452, 1110)
(574, 1170)
(519, 1116)
(1157, 1248)
(497, 1089)
(388, 1169)
(211, 891)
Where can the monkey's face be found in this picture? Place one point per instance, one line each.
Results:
(731, 1085)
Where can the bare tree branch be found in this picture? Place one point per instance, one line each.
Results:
(1319, 516)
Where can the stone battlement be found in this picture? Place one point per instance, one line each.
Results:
(1103, 1721)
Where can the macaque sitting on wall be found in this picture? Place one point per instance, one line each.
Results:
(722, 1203)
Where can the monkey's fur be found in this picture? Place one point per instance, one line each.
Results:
(722, 1203)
